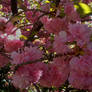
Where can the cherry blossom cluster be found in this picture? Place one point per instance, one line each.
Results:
(47, 46)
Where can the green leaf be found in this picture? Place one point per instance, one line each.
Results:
(83, 9)
(47, 1)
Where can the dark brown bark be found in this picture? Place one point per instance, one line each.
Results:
(14, 7)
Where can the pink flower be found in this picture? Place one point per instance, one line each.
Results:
(55, 25)
(79, 33)
(55, 74)
(17, 58)
(59, 44)
(32, 16)
(6, 6)
(26, 75)
(27, 3)
(29, 54)
(32, 53)
(81, 72)
(9, 28)
(13, 45)
(71, 12)
(6, 28)
(44, 19)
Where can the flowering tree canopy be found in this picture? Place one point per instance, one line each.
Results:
(45, 45)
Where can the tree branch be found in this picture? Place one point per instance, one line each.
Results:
(14, 7)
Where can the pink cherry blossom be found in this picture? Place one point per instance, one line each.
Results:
(56, 73)
(32, 16)
(12, 45)
(29, 54)
(26, 75)
(59, 43)
(71, 12)
(9, 28)
(17, 58)
(32, 53)
(80, 33)
(55, 25)
(81, 72)
(6, 6)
